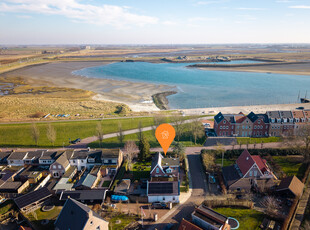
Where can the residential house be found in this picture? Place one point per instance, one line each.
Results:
(61, 165)
(165, 167)
(299, 119)
(291, 187)
(49, 157)
(224, 125)
(87, 181)
(163, 191)
(4, 156)
(15, 187)
(112, 159)
(246, 172)
(33, 200)
(243, 126)
(186, 225)
(32, 157)
(17, 158)
(287, 123)
(77, 216)
(206, 218)
(307, 114)
(79, 159)
(260, 124)
(85, 196)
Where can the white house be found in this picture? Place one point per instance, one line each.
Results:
(163, 191)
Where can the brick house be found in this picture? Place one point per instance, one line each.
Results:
(260, 124)
(165, 167)
(224, 125)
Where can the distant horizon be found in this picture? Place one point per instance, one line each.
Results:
(154, 22)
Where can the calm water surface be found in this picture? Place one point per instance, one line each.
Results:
(201, 88)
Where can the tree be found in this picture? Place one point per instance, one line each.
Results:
(179, 149)
(303, 136)
(140, 132)
(220, 151)
(271, 206)
(130, 151)
(233, 145)
(178, 123)
(158, 120)
(51, 134)
(35, 133)
(120, 134)
(144, 149)
(99, 133)
(197, 129)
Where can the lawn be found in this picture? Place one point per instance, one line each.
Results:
(124, 221)
(290, 165)
(7, 206)
(226, 162)
(106, 183)
(19, 135)
(186, 139)
(37, 217)
(141, 170)
(250, 140)
(249, 219)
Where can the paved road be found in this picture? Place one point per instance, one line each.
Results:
(199, 191)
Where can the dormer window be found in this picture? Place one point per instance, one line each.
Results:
(258, 122)
(224, 122)
(169, 170)
(157, 170)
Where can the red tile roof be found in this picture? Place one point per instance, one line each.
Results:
(298, 114)
(186, 225)
(261, 163)
(245, 161)
(240, 118)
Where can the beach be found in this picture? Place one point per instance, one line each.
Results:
(137, 95)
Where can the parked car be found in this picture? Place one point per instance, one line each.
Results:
(75, 141)
(300, 107)
(159, 205)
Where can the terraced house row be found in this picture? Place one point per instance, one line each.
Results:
(272, 123)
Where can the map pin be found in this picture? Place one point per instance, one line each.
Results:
(165, 134)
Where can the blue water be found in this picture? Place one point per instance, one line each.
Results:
(201, 88)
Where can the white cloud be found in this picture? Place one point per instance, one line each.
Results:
(300, 7)
(24, 16)
(169, 23)
(118, 16)
(246, 8)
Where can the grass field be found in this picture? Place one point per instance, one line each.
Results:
(124, 221)
(250, 140)
(19, 135)
(186, 140)
(226, 162)
(290, 165)
(249, 219)
(141, 170)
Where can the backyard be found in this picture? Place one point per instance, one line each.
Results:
(249, 219)
(37, 217)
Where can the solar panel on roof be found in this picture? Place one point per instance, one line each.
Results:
(32, 197)
(160, 188)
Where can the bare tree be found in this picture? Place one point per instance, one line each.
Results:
(303, 136)
(261, 144)
(271, 206)
(51, 133)
(220, 151)
(140, 132)
(233, 145)
(99, 133)
(130, 152)
(158, 120)
(35, 133)
(178, 123)
(120, 134)
(197, 129)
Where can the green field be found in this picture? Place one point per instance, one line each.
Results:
(250, 140)
(186, 140)
(291, 165)
(19, 135)
(226, 162)
(249, 219)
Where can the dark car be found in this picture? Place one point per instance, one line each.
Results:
(300, 107)
(75, 141)
(159, 205)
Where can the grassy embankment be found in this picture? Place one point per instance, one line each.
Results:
(19, 135)
(251, 140)
(186, 139)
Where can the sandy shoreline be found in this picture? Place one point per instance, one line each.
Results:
(137, 95)
(244, 109)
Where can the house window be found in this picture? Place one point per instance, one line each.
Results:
(255, 173)
(73, 161)
(258, 122)
(250, 173)
(59, 166)
(54, 166)
(224, 122)
(173, 198)
(157, 170)
(164, 198)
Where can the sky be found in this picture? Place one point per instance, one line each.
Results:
(154, 21)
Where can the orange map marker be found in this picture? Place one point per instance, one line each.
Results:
(165, 134)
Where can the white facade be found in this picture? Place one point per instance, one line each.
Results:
(16, 162)
(79, 163)
(172, 199)
(46, 162)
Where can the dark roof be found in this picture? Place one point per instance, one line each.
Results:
(293, 184)
(49, 155)
(219, 117)
(186, 225)
(87, 180)
(230, 174)
(4, 155)
(34, 154)
(17, 155)
(245, 161)
(286, 114)
(74, 215)
(252, 116)
(264, 117)
(10, 185)
(80, 154)
(110, 153)
(156, 160)
(170, 161)
(210, 216)
(97, 194)
(163, 187)
(31, 197)
(63, 159)
(273, 114)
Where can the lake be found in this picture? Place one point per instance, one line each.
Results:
(207, 88)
